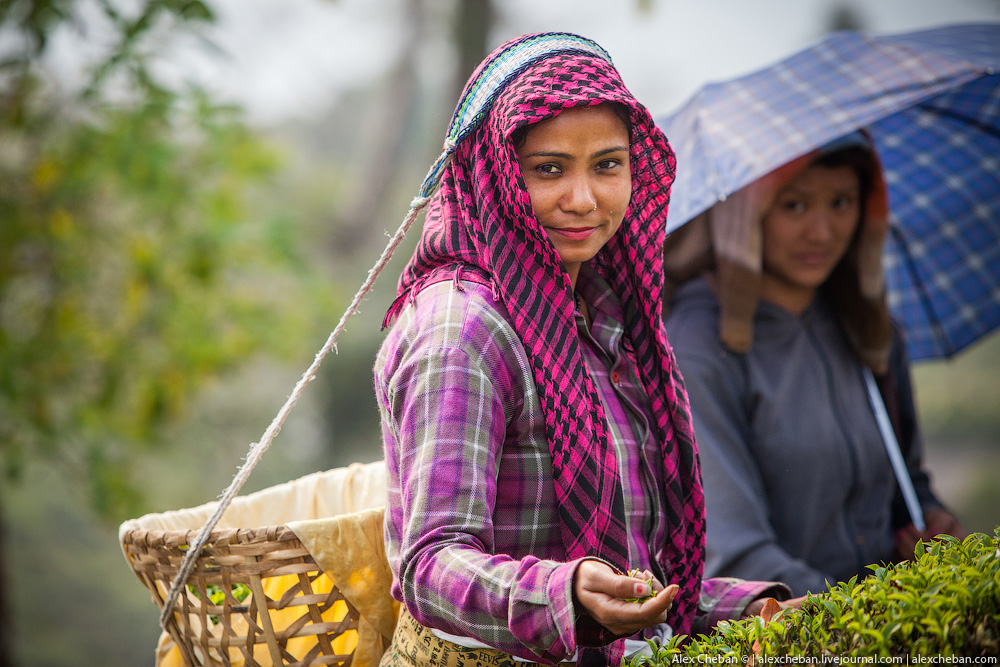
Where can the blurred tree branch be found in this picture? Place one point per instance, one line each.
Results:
(474, 19)
(385, 159)
(134, 264)
(471, 23)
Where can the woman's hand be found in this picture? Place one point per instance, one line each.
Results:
(602, 594)
(939, 522)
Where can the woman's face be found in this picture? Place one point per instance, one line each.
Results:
(576, 168)
(807, 231)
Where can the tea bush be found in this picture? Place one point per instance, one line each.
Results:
(945, 602)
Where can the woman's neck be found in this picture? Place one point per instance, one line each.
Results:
(793, 298)
(573, 269)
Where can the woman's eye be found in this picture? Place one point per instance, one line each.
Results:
(610, 163)
(843, 203)
(793, 206)
(548, 168)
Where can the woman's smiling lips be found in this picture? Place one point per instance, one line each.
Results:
(813, 259)
(573, 233)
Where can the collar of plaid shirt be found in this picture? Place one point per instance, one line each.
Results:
(481, 225)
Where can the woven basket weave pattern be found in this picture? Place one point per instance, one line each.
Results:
(250, 557)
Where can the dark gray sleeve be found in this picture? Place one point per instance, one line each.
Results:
(741, 542)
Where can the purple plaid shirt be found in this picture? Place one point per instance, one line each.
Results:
(472, 527)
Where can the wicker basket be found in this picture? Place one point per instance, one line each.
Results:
(292, 612)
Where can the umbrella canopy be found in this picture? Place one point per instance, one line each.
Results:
(931, 102)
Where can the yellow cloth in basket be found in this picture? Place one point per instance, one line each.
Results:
(337, 515)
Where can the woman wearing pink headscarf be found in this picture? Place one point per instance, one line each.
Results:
(536, 430)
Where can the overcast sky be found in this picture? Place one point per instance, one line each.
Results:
(289, 58)
(682, 44)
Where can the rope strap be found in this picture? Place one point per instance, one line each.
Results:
(257, 449)
(895, 455)
(475, 103)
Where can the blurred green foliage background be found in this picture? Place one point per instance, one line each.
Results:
(134, 261)
(166, 273)
(143, 263)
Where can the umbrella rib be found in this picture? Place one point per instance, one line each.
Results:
(965, 120)
(937, 331)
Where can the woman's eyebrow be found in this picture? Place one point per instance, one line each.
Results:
(614, 149)
(568, 156)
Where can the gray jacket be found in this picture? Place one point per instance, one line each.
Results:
(798, 485)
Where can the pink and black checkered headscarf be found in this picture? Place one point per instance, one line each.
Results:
(481, 225)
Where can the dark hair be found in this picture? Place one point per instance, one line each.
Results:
(518, 136)
(857, 158)
(862, 162)
(843, 283)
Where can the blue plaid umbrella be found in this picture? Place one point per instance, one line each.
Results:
(931, 101)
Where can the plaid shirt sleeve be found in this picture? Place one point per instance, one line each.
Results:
(725, 598)
(447, 391)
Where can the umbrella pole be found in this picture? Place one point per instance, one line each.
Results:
(895, 456)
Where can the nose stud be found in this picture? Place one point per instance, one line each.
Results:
(595, 207)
